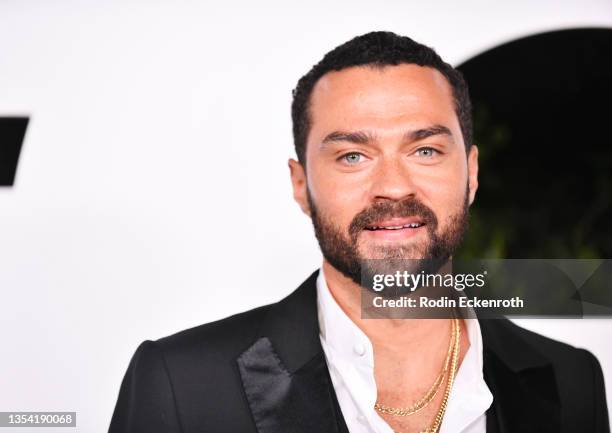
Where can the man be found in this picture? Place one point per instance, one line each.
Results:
(386, 169)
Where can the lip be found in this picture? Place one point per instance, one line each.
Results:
(396, 222)
(395, 235)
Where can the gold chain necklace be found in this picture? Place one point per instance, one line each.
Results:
(429, 395)
(435, 426)
(440, 415)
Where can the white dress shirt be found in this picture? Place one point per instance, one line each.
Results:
(350, 359)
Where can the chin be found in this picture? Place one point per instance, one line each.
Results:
(385, 252)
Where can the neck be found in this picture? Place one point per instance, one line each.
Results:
(400, 336)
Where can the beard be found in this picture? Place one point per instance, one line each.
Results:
(341, 247)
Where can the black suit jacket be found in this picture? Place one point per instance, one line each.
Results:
(265, 371)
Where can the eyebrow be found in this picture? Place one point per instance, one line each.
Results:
(358, 137)
(423, 133)
(365, 137)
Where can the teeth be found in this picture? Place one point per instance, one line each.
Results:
(410, 226)
(413, 225)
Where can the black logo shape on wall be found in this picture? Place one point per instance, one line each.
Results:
(541, 121)
(12, 132)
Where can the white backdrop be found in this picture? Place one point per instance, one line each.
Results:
(153, 193)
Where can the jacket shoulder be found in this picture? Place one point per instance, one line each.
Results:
(556, 351)
(230, 335)
(578, 374)
(168, 376)
(225, 339)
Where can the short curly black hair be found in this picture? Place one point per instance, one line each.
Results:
(376, 49)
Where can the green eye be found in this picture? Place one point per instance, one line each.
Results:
(351, 158)
(427, 152)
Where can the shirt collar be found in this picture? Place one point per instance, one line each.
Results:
(470, 396)
(338, 332)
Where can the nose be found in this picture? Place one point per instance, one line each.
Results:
(392, 180)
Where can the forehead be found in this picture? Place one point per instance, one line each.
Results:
(388, 97)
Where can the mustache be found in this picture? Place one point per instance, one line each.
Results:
(409, 207)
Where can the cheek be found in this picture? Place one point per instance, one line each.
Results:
(443, 191)
(336, 198)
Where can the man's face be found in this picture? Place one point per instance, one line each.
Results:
(387, 175)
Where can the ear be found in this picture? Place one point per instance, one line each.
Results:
(473, 172)
(298, 181)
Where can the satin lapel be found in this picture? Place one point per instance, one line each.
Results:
(284, 373)
(522, 382)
